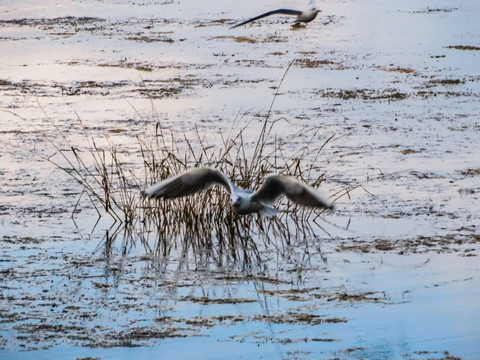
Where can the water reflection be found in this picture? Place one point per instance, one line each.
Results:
(243, 243)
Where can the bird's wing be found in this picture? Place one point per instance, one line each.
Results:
(302, 194)
(273, 12)
(189, 183)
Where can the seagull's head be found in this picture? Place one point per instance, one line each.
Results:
(236, 201)
(241, 201)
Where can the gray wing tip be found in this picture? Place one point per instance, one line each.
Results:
(307, 192)
(187, 183)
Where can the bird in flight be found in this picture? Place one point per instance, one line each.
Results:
(304, 16)
(243, 201)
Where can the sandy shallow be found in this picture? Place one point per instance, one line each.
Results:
(393, 272)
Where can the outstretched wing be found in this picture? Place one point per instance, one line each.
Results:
(189, 183)
(300, 193)
(273, 12)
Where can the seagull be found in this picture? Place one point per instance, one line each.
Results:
(243, 201)
(304, 16)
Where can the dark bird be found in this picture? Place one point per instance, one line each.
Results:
(304, 16)
(243, 201)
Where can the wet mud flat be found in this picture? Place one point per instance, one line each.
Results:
(391, 273)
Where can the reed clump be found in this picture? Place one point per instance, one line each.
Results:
(207, 217)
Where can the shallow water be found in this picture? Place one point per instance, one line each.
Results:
(391, 273)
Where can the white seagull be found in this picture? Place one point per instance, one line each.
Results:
(243, 201)
(304, 16)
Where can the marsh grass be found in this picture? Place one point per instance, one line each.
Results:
(206, 220)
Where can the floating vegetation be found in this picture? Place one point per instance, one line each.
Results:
(421, 244)
(464, 47)
(364, 94)
(430, 10)
(308, 63)
(397, 69)
(205, 300)
(46, 22)
(150, 39)
(446, 82)
(239, 39)
(470, 172)
(299, 318)
(144, 68)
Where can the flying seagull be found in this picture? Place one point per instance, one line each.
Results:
(243, 201)
(304, 16)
